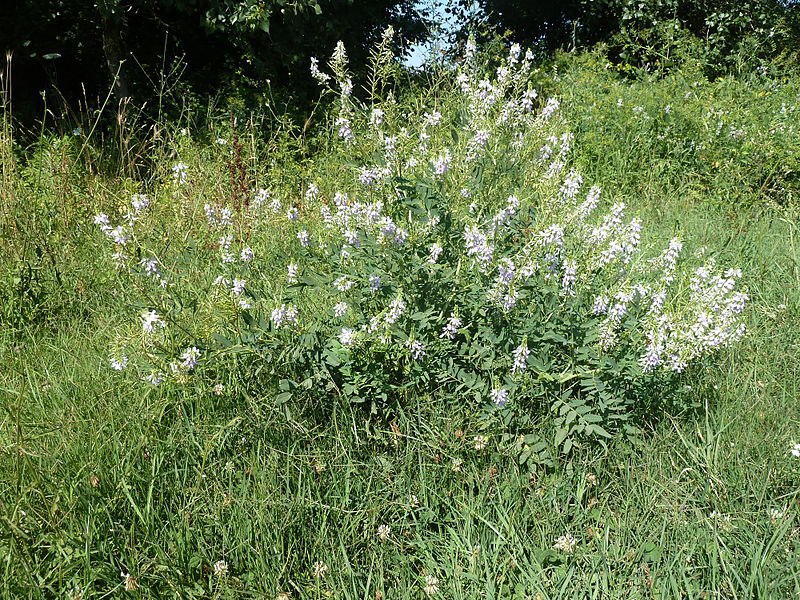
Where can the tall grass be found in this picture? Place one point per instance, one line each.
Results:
(106, 486)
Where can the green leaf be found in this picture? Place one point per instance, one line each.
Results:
(283, 397)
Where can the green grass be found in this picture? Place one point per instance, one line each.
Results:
(99, 476)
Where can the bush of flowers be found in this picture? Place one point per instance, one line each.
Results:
(450, 249)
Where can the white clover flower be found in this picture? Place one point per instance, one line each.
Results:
(218, 389)
(777, 514)
(384, 531)
(795, 450)
(292, 214)
(565, 543)
(220, 568)
(431, 586)
(480, 442)
(320, 569)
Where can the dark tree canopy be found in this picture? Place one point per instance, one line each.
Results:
(74, 46)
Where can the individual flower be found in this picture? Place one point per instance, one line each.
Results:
(150, 266)
(345, 130)
(284, 315)
(384, 531)
(139, 202)
(343, 284)
(431, 586)
(480, 442)
(218, 389)
(520, 353)
(119, 364)
(320, 569)
(154, 378)
(179, 172)
(565, 543)
(305, 241)
(220, 568)
(247, 254)
(417, 349)
(777, 514)
(340, 309)
(374, 283)
(238, 287)
(151, 321)
(500, 397)
(795, 450)
(189, 358)
(442, 163)
(291, 273)
(435, 252)
(347, 337)
(450, 330)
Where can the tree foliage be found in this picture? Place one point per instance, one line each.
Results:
(727, 30)
(218, 46)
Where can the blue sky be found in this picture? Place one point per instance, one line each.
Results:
(420, 52)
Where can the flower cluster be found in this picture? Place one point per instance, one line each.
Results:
(538, 281)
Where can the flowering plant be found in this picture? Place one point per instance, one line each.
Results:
(459, 254)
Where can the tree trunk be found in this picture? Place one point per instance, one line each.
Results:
(112, 48)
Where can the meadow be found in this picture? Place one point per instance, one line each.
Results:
(413, 349)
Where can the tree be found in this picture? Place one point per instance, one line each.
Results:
(725, 27)
(79, 47)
